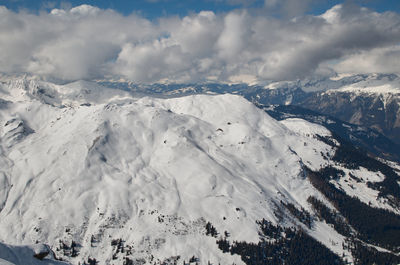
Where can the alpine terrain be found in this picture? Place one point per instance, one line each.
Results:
(368, 100)
(97, 175)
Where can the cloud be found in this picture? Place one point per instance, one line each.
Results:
(233, 37)
(379, 60)
(86, 42)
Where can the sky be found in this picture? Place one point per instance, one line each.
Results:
(152, 9)
(149, 41)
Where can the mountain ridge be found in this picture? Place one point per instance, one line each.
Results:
(139, 179)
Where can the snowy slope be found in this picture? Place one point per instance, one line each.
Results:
(372, 84)
(88, 165)
(27, 255)
(384, 89)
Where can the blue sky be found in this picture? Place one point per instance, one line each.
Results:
(159, 8)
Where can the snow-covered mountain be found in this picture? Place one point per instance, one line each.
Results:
(368, 100)
(373, 102)
(109, 176)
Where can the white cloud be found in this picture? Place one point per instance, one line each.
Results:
(233, 37)
(197, 34)
(152, 62)
(86, 42)
(379, 60)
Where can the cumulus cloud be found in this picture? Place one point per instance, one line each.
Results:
(379, 60)
(86, 42)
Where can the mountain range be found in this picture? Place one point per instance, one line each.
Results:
(367, 100)
(111, 172)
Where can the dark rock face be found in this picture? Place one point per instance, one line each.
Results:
(15, 130)
(379, 112)
(370, 140)
(41, 255)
